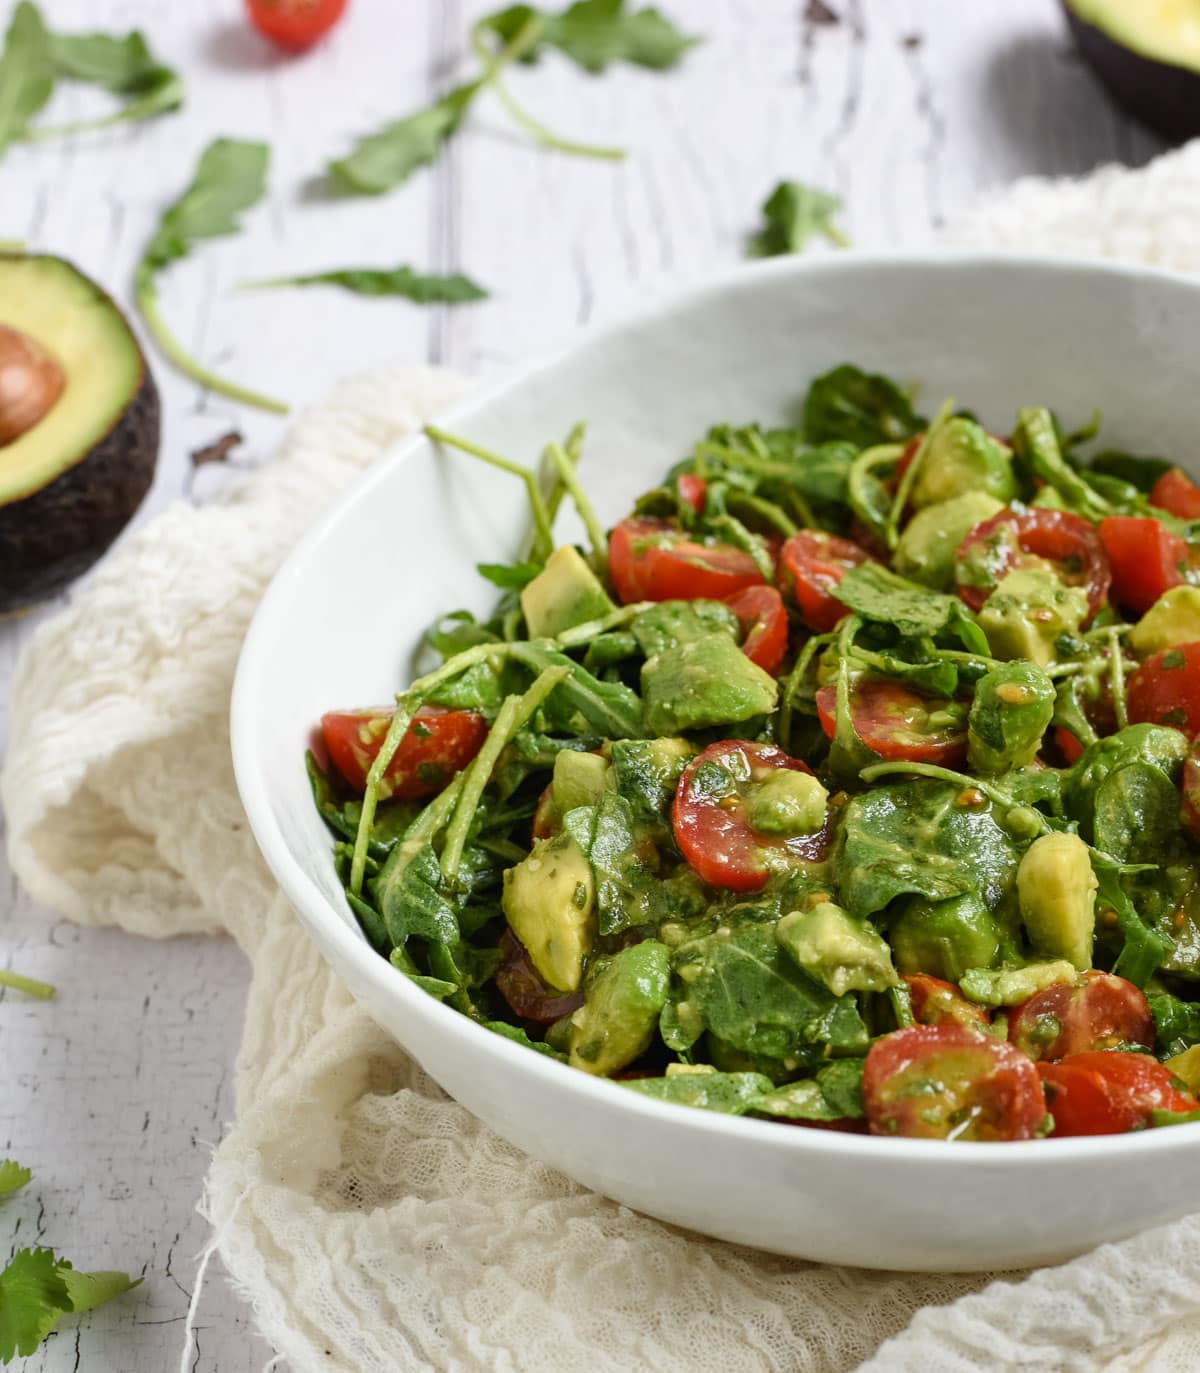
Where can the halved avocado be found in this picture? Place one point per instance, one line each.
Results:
(1147, 52)
(79, 426)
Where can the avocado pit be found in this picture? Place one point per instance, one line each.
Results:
(31, 381)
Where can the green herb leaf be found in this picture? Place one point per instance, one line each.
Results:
(405, 282)
(410, 896)
(89, 1290)
(33, 1296)
(26, 72)
(230, 177)
(1036, 440)
(519, 1036)
(595, 34)
(793, 214)
(875, 593)
(384, 160)
(605, 833)
(125, 66)
(1176, 1022)
(834, 1094)
(1144, 949)
(508, 576)
(12, 1177)
(861, 407)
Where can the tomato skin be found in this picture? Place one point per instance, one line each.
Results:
(764, 624)
(1109, 1092)
(937, 1002)
(714, 834)
(1068, 745)
(1165, 689)
(692, 489)
(1053, 534)
(521, 985)
(814, 563)
(1176, 493)
(438, 744)
(1146, 559)
(651, 560)
(294, 24)
(888, 718)
(1101, 1011)
(949, 1081)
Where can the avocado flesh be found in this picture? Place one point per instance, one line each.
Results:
(1163, 30)
(70, 484)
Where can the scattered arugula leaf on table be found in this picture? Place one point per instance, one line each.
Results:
(406, 282)
(595, 34)
(125, 66)
(26, 72)
(794, 214)
(12, 1177)
(230, 177)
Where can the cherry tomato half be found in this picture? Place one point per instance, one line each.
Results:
(438, 744)
(521, 985)
(1176, 493)
(1109, 1092)
(1165, 689)
(814, 563)
(712, 827)
(1068, 745)
(764, 625)
(651, 560)
(936, 1002)
(692, 489)
(1146, 559)
(951, 1082)
(1055, 535)
(898, 724)
(295, 24)
(1101, 1011)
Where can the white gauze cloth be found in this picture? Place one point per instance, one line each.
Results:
(373, 1223)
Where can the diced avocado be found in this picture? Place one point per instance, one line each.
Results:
(550, 901)
(945, 938)
(617, 1020)
(647, 772)
(565, 593)
(1056, 888)
(1012, 709)
(1011, 986)
(787, 803)
(1173, 619)
(701, 683)
(847, 955)
(1028, 612)
(961, 457)
(675, 622)
(580, 779)
(931, 538)
(1186, 1067)
(688, 1069)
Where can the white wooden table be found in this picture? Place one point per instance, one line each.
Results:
(907, 108)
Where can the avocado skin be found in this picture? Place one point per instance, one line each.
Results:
(56, 534)
(1166, 98)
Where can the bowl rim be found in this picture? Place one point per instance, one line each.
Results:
(464, 1034)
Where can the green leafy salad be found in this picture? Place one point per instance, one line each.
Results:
(848, 782)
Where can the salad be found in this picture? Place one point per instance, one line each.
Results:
(848, 782)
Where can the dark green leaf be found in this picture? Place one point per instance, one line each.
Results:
(597, 33)
(1176, 1022)
(1136, 814)
(1143, 949)
(452, 633)
(26, 72)
(1141, 472)
(406, 282)
(605, 833)
(519, 1036)
(860, 407)
(732, 1094)
(409, 895)
(508, 576)
(875, 593)
(584, 704)
(793, 214)
(834, 1094)
(125, 66)
(1036, 441)
(384, 160)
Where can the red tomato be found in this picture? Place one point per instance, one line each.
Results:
(815, 563)
(1165, 689)
(1101, 1011)
(896, 723)
(1068, 745)
(951, 1082)
(438, 744)
(764, 625)
(1191, 792)
(1108, 1092)
(1177, 493)
(692, 489)
(1056, 535)
(651, 560)
(546, 819)
(294, 24)
(710, 820)
(1146, 558)
(935, 1002)
(521, 985)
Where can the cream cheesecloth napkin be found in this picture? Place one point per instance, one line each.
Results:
(372, 1222)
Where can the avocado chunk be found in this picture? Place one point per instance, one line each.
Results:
(1186, 1067)
(787, 803)
(962, 457)
(549, 901)
(1028, 613)
(620, 1012)
(675, 622)
(845, 954)
(580, 779)
(1011, 986)
(931, 538)
(945, 938)
(1056, 888)
(703, 682)
(1012, 709)
(565, 593)
(1172, 620)
(79, 426)
(647, 772)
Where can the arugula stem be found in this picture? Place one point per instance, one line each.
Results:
(544, 540)
(43, 133)
(766, 510)
(796, 676)
(908, 480)
(578, 635)
(750, 543)
(43, 991)
(1116, 678)
(570, 482)
(146, 296)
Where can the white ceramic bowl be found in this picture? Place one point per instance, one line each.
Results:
(340, 623)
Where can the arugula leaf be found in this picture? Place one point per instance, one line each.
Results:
(231, 176)
(508, 576)
(583, 704)
(406, 282)
(12, 1177)
(37, 1289)
(410, 896)
(125, 66)
(1176, 1022)
(1144, 949)
(835, 1093)
(520, 1036)
(382, 161)
(1136, 813)
(875, 593)
(26, 72)
(793, 214)
(1036, 440)
(594, 34)
(605, 833)
(1139, 471)
(862, 407)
